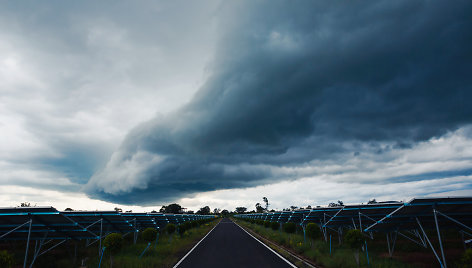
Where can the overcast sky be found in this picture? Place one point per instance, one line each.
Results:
(138, 105)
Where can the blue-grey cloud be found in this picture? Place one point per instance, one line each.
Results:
(295, 83)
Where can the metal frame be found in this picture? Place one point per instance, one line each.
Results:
(410, 226)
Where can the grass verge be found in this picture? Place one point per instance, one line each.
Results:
(318, 251)
(168, 251)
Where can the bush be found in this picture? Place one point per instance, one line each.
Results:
(182, 228)
(6, 259)
(274, 225)
(466, 259)
(188, 225)
(170, 228)
(266, 224)
(113, 242)
(289, 227)
(149, 234)
(312, 230)
(354, 239)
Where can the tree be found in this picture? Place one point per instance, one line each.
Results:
(113, 243)
(204, 210)
(340, 203)
(312, 230)
(373, 201)
(119, 210)
(216, 211)
(266, 201)
(354, 240)
(308, 207)
(274, 225)
(241, 209)
(172, 209)
(225, 213)
(25, 204)
(259, 208)
(149, 234)
(68, 209)
(293, 207)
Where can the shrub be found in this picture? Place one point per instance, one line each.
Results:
(182, 228)
(113, 242)
(170, 228)
(266, 224)
(6, 259)
(354, 239)
(274, 225)
(188, 225)
(466, 259)
(149, 234)
(312, 230)
(289, 227)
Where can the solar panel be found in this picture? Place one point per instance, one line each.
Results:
(46, 222)
(407, 216)
(101, 221)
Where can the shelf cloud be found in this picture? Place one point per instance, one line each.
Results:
(293, 88)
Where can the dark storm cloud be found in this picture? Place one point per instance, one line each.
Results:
(293, 83)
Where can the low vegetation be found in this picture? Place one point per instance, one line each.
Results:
(313, 248)
(171, 245)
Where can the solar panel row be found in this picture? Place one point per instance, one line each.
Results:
(379, 216)
(409, 220)
(47, 222)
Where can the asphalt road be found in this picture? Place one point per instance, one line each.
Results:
(230, 246)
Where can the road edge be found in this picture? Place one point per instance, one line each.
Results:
(307, 263)
(190, 251)
(273, 251)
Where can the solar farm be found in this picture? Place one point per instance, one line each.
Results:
(44, 228)
(421, 221)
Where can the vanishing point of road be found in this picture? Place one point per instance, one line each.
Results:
(227, 245)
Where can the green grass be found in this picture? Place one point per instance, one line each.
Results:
(318, 251)
(167, 252)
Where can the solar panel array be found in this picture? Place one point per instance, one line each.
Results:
(379, 217)
(409, 220)
(47, 222)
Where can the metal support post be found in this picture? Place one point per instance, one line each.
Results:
(27, 243)
(101, 231)
(391, 246)
(330, 244)
(439, 238)
(429, 242)
(411, 239)
(135, 231)
(360, 221)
